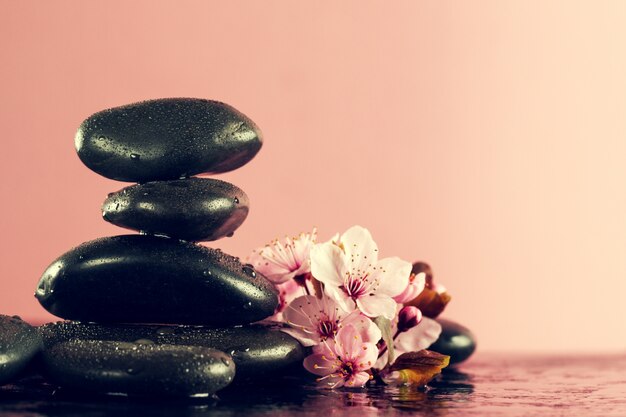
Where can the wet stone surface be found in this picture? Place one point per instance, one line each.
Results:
(137, 368)
(150, 279)
(256, 350)
(167, 139)
(194, 209)
(19, 343)
(486, 386)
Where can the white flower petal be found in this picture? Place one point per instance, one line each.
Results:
(392, 275)
(327, 263)
(419, 337)
(359, 248)
(377, 305)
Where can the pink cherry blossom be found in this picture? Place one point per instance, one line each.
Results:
(414, 339)
(408, 317)
(287, 292)
(343, 361)
(282, 260)
(353, 275)
(315, 320)
(415, 287)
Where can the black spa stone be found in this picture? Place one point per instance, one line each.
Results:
(19, 343)
(257, 350)
(194, 209)
(150, 279)
(140, 368)
(455, 340)
(167, 139)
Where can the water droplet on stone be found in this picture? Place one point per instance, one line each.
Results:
(207, 273)
(125, 346)
(236, 200)
(225, 361)
(134, 156)
(249, 270)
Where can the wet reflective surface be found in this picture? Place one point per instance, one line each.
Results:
(490, 385)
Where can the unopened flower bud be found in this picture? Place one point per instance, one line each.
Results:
(408, 318)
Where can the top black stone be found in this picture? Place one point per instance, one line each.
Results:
(167, 139)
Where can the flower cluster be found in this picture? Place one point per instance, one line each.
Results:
(356, 311)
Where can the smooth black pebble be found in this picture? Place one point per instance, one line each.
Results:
(455, 340)
(194, 209)
(151, 279)
(140, 368)
(167, 139)
(257, 350)
(19, 343)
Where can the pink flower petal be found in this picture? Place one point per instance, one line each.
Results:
(305, 339)
(419, 337)
(327, 264)
(348, 342)
(359, 248)
(331, 382)
(393, 275)
(367, 356)
(323, 363)
(369, 331)
(358, 380)
(377, 305)
(413, 289)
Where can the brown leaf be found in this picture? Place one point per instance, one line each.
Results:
(419, 368)
(431, 303)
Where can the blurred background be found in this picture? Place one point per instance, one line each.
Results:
(487, 138)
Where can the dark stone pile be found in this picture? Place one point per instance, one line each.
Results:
(153, 313)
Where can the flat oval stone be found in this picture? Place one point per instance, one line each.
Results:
(257, 350)
(137, 368)
(19, 343)
(167, 139)
(194, 209)
(455, 340)
(151, 279)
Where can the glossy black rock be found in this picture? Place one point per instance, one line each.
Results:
(257, 350)
(137, 368)
(167, 139)
(194, 209)
(150, 279)
(455, 340)
(19, 342)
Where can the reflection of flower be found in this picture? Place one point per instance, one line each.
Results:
(282, 260)
(415, 287)
(315, 320)
(354, 276)
(343, 361)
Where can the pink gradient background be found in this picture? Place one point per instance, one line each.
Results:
(487, 138)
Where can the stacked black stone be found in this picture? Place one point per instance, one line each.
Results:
(135, 287)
